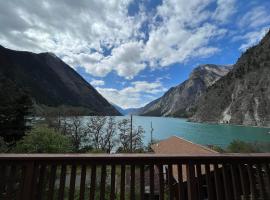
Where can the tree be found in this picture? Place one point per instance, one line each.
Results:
(109, 140)
(95, 131)
(129, 135)
(15, 111)
(42, 139)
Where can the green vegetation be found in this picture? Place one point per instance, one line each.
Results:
(238, 146)
(42, 139)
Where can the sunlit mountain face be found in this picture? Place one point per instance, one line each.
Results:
(133, 51)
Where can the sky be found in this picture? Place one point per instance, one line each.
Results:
(132, 51)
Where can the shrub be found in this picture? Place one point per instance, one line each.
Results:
(238, 146)
(42, 139)
(3, 146)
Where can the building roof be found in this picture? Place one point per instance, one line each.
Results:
(177, 145)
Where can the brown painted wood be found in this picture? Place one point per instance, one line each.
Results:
(112, 195)
(199, 181)
(191, 181)
(103, 182)
(152, 184)
(243, 180)
(52, 182)
(62, 182)
(209, 183)
(267, 171)
(82, 183)
(161, 182)
(72, 182)
(260, 181)
(219, 193)
(170, 181)
(28, 181)
(226, 181)
(11, 182)
(180, 182)
(235, 183)
(142, 182)
(132, 182)
(252, 181)
(123, 180)
(41, 182)
(93, 182)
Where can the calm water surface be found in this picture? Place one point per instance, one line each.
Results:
(199, 133)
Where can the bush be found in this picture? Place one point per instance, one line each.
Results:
(3, 146)
(42, 139)
(238, 146)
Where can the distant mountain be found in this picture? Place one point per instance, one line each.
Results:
(51, 82)
(126, 111)
(243, 95)
(179, 101)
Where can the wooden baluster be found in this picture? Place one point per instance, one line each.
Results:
(260, 181)
(72, 182)
(2, 179)
(132, 182)
(41, 182)
(252, 181)
(11, 182)
(243, 181)
(103, 182)
(226, 182)
(142, 182)
(112, 196)
(236, 189)
(170, 181)
(52, 182)
(210, 191)
(191, 181)
(28, 181)
(82, 183)
(93, 182)
(199, 181)
(62, 182)
(161, 182)
(219, 194)
(123, 180)
(152, 185)
(267, 170)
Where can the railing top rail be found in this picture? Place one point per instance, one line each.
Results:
(132, 157)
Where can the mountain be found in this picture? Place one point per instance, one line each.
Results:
(51, 82)
(125, 111)
(243, 95)
(179, 101)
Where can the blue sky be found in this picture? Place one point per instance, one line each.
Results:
(132, 51)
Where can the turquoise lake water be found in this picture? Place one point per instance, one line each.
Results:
(200, 133)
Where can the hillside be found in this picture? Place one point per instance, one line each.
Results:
(179, 101)
(51, 82)
(243, 95)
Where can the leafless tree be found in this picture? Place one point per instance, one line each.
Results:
(108, 140)
(95, 131)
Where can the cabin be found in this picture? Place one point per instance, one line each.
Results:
(178, 169)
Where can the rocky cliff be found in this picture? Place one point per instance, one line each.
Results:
(179, 101)
(243, 95)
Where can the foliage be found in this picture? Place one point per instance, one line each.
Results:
(42, 139)
(238, 146)
(15, 107)
(3, 146)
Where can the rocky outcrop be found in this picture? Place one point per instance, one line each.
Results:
(243, 95)
(179, 101)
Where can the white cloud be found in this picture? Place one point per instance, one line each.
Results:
(101, 37)
(97, 82)
(251, 38)
(225, 9)
(256, 17)
(132, 96)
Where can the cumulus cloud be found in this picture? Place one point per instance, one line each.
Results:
(132, 96)
(102, 37)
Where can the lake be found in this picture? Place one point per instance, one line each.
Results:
(200, 133)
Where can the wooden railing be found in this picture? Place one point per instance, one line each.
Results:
(134, 176)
